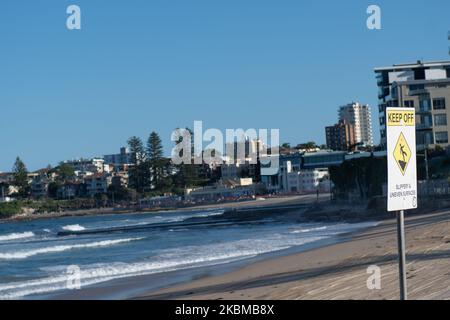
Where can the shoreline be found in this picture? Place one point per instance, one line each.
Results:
(290, 199)
(302, 272)
(338, 271)
(132, 287)
(310, 265)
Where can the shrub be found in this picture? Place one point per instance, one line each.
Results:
(8, 209)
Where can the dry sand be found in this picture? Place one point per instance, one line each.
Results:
(340, 271)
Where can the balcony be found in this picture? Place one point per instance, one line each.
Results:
(424, 126)
(423, 111)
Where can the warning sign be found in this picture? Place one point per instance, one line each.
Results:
(401, 158)
(402, 153)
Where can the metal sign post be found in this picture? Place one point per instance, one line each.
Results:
(401, 254)
(402, 175)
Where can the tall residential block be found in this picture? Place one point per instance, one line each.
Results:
(341, 136)
(424, 86)
(358, 115)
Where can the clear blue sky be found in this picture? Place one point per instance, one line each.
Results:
(138, 66)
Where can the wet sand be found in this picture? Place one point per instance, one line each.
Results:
(339, 271)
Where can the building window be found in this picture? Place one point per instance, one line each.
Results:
(439, 103)
(440, 119)
(413, 87)
(425, 105)
(441, 137)
(409, 103)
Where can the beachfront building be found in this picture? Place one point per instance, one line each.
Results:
(341, 136)
(7, 187)
(243, 151)
(120, 179)
(305, 181)
(322, 159)
(241, 160)
(39, 185)
(224, 190)
(120, 161)
(97, 183)
(239, 170)
(424, 86)
(160, 202)
(230, 171)
(86, 167)
(273, 180)
(359, 116)
(303, 173)
(70, 190)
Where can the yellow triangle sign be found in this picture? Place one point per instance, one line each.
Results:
(402, 153)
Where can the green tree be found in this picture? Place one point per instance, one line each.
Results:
(53, 189)
(189, 174)
(65, 172)
(155, 160)
(307, 145)
(21, 177)
(138, 171)
(118, 193)
(364, 176)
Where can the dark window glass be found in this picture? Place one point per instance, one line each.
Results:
(419, 74)
(440, 119)
(439, 103)
(441, 137)
(409, 103)
(413, 87)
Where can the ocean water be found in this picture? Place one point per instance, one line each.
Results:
(36, 256)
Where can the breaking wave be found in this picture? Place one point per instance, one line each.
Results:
(60, 248)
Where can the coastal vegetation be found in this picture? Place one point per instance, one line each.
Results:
(8, 209)
(152, 174)
(363, 177)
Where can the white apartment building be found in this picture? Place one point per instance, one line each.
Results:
(97, 183)
(304, 180)
(95, 165)
(360, 117)
(424, 86)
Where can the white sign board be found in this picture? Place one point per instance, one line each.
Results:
(401, 158)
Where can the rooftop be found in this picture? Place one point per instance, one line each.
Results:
(414, 65)
(430, 81)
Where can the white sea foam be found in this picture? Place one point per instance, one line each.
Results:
(130, 223)
(167, 260)
(309, 230)
(183, 257)
(15, 236)
(73, 227)
(208, 214)
(60, 248)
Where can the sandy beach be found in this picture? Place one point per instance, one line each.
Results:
(339, 271)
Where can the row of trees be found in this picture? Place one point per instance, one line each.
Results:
(151, 172)
(20, 180)
(365, 176)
